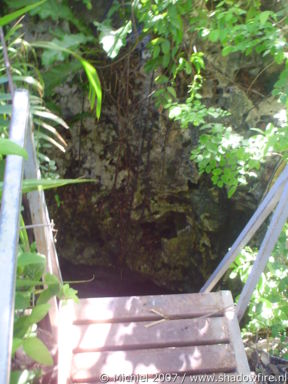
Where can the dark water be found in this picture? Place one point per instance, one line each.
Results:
(108, 282)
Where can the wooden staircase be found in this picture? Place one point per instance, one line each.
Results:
(164, 338)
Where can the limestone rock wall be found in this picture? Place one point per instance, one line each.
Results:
(148, 209)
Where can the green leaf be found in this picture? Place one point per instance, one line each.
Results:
(48, 293)
(113, 40)
(263, 16)
(30, 185)
(69, 293)
(55, 75)
(21, 79)
(5, 109)
(227, 50)
(214, 35)
(162, 79)
(165, 47)
(95, 86)
(51, 279)
(16, 344)
(172, 91)
(27, 283)
(32, 264)
(38, 313)
(8, 147)
(71, 41)
(29, 258)
(22, 377)
(23, 235)
(52, 290)
(233, 275)
(45, 114)
(44, 136)
(21, 326)
(6, 97)
(37, 350)
(23, 323)
(15, 15)
(156, 51)
(22, 300)
(92, 75)
(166, 60)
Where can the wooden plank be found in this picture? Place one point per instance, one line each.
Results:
(236, 341)
(64, 341)
(39, 212)
(88, 367)
(119, 336)
(140, 308)
(42, 230)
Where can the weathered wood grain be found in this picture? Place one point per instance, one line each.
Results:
(199, 334)
(140, 308)
(235, 339)
(135, 335)
(200, 359)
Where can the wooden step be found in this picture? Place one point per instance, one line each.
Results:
(139, 308)
(126, 337)
(138, 335)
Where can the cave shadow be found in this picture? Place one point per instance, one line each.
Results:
(95, 281)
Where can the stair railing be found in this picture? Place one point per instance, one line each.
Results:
(276, 197)
(21, 133)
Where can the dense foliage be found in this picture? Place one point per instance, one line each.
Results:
(179, 34)
(34, 287)
(268, 310)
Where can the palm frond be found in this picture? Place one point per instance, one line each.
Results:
(95, 90)
(15, 15)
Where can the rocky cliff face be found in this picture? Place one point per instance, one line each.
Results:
(148, 209)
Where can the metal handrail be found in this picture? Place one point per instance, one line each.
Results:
(277, 199)
(21, 134)
(9, 230)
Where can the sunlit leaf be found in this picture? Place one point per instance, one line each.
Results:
(8, 147)
(49, 115)
(22, 300)
(95, 86)
(113, 40)
(51, 129)
(37, 350)
(91, 72)
(15, 15)
(24, 283)
(43, 136)
(30, 185)
(22, 377)
(28, 258)
(38, 313)
(16, 344)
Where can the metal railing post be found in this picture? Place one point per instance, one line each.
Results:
(258, 218)
(276, 225)
(9, 230)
